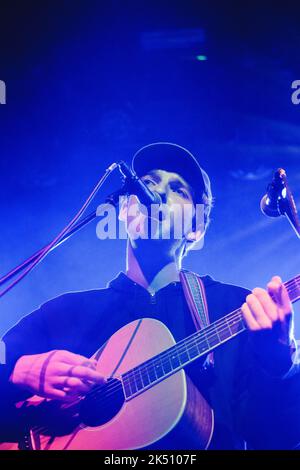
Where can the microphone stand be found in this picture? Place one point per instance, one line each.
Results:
(7, 277)
(112, 199)
(287, 204)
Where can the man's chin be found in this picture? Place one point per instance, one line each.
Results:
(154, 229)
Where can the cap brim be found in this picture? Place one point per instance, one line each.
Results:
(170, 157)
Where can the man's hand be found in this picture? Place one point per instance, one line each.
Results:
(270, 310)
(269, 316)
(56, 374)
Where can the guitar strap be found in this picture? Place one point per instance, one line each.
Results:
(194, 292)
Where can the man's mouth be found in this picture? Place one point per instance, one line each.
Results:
(159, 215)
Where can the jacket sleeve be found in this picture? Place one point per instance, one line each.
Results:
(266, 405)
(28, 336)
(60, 323)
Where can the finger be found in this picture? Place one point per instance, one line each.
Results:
(267, 303)
(73, 384)
(258, 312)
(275, 292)
(278, 291)
(249, 319)
(62, 382)
(277, 279)
(280, 296)
(55, 393)
(75, 359)
(61, 368)
(87, 374)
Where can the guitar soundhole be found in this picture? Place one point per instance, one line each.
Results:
(102, 403)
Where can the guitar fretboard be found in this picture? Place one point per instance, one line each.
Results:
(191, 348)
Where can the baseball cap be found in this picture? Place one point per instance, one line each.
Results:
(175, 158)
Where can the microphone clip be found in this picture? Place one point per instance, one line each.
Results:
(279, 200)
(132, 184)
(274, 205)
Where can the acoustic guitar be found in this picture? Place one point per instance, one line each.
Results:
(147, 401)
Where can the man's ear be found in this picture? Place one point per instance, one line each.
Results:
(195, 240)
(194, 236)
(123, 210)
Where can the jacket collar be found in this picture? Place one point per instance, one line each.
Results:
(124, 284)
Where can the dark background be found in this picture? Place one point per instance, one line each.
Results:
(89, 82)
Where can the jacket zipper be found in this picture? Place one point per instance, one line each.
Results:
(152, 298)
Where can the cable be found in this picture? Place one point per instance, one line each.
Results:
(56, 240)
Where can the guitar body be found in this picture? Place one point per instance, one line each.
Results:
(169, 414)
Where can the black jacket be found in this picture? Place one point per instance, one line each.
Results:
(251, 400)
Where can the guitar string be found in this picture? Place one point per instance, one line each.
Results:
(103, 393)
(221, 322)
(111, 387)
(119, 385)
(110, 390)
(195, 339)
(150, 367)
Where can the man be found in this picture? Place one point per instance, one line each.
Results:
(252, 384)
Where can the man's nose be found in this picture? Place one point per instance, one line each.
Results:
(162, 191)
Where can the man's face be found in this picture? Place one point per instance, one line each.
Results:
(169, 221)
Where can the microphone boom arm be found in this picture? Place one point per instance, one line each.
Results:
(288, 207)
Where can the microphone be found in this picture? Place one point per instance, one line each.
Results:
(134, 185)
(279, 200)
(269, 204)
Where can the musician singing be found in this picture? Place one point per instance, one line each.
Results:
(250, 383)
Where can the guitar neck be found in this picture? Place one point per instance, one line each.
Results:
(191, 348)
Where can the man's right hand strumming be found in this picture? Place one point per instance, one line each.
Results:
(57, 374)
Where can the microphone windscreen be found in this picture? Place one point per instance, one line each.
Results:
(268, 207)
